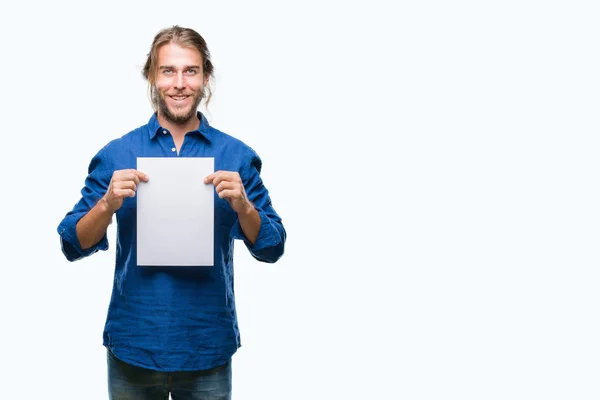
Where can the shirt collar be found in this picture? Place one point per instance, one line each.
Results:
(203, 130)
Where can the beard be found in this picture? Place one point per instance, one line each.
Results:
(177, 116)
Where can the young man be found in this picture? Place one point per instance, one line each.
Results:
(173, 329)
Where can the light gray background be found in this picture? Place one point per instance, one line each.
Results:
(435, 165)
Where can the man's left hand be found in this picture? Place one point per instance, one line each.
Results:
(229, 186)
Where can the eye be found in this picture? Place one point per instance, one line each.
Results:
(191, 71)
(167, 71)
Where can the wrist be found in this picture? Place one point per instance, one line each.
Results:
(249, 209)
(104, 207)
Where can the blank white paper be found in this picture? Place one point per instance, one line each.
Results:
(175, 212)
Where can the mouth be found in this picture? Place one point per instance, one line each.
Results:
(179, 97)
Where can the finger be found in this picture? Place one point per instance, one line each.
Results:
(215, 180)
(125, 185)
(136, 176)
(228, 175)
(130, 174)
(124, 175)
(219, 176)
(226, 178)
(227, 194)
(132, 177)
(226, 185)
(122, 193)
(140, 175)
(209, 178)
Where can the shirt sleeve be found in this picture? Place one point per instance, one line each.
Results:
(96, 185)
(270, 243)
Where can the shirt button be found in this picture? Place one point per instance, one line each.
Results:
(173, 149)
(164, 132)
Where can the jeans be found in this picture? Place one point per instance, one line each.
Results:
(129, 382)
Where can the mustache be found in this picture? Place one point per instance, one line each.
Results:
(155, 93)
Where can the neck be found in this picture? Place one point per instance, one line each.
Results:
(178, 130)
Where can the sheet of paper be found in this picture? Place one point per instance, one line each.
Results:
(175, 212)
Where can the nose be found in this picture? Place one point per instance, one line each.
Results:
(179, 81)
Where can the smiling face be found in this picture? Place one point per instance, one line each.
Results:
(179, 83)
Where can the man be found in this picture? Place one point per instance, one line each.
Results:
(173, 329)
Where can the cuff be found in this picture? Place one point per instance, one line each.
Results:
(70, 243)
(268, 235)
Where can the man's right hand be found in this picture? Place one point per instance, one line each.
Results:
(122, 184)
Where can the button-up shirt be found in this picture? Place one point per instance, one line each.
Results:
(175, 318)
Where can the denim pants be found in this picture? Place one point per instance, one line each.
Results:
(129, 382)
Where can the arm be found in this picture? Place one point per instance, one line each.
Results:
(250, 223)
(258, 224)
(95, 186)
(83, 229)
(91, 228)
(229, 186)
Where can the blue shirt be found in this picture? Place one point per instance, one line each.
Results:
(175, 318)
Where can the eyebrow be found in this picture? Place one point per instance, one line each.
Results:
(173, 67)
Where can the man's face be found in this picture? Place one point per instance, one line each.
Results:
(179, 85)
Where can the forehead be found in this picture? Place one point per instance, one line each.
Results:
(175, 55)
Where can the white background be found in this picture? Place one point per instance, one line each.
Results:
(435, 165)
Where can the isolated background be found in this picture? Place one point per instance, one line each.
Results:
(435, 164)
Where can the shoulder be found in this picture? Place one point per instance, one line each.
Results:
(118, 144)
(233, 145)
(135, 135)
(118, 148)
(236, 149)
